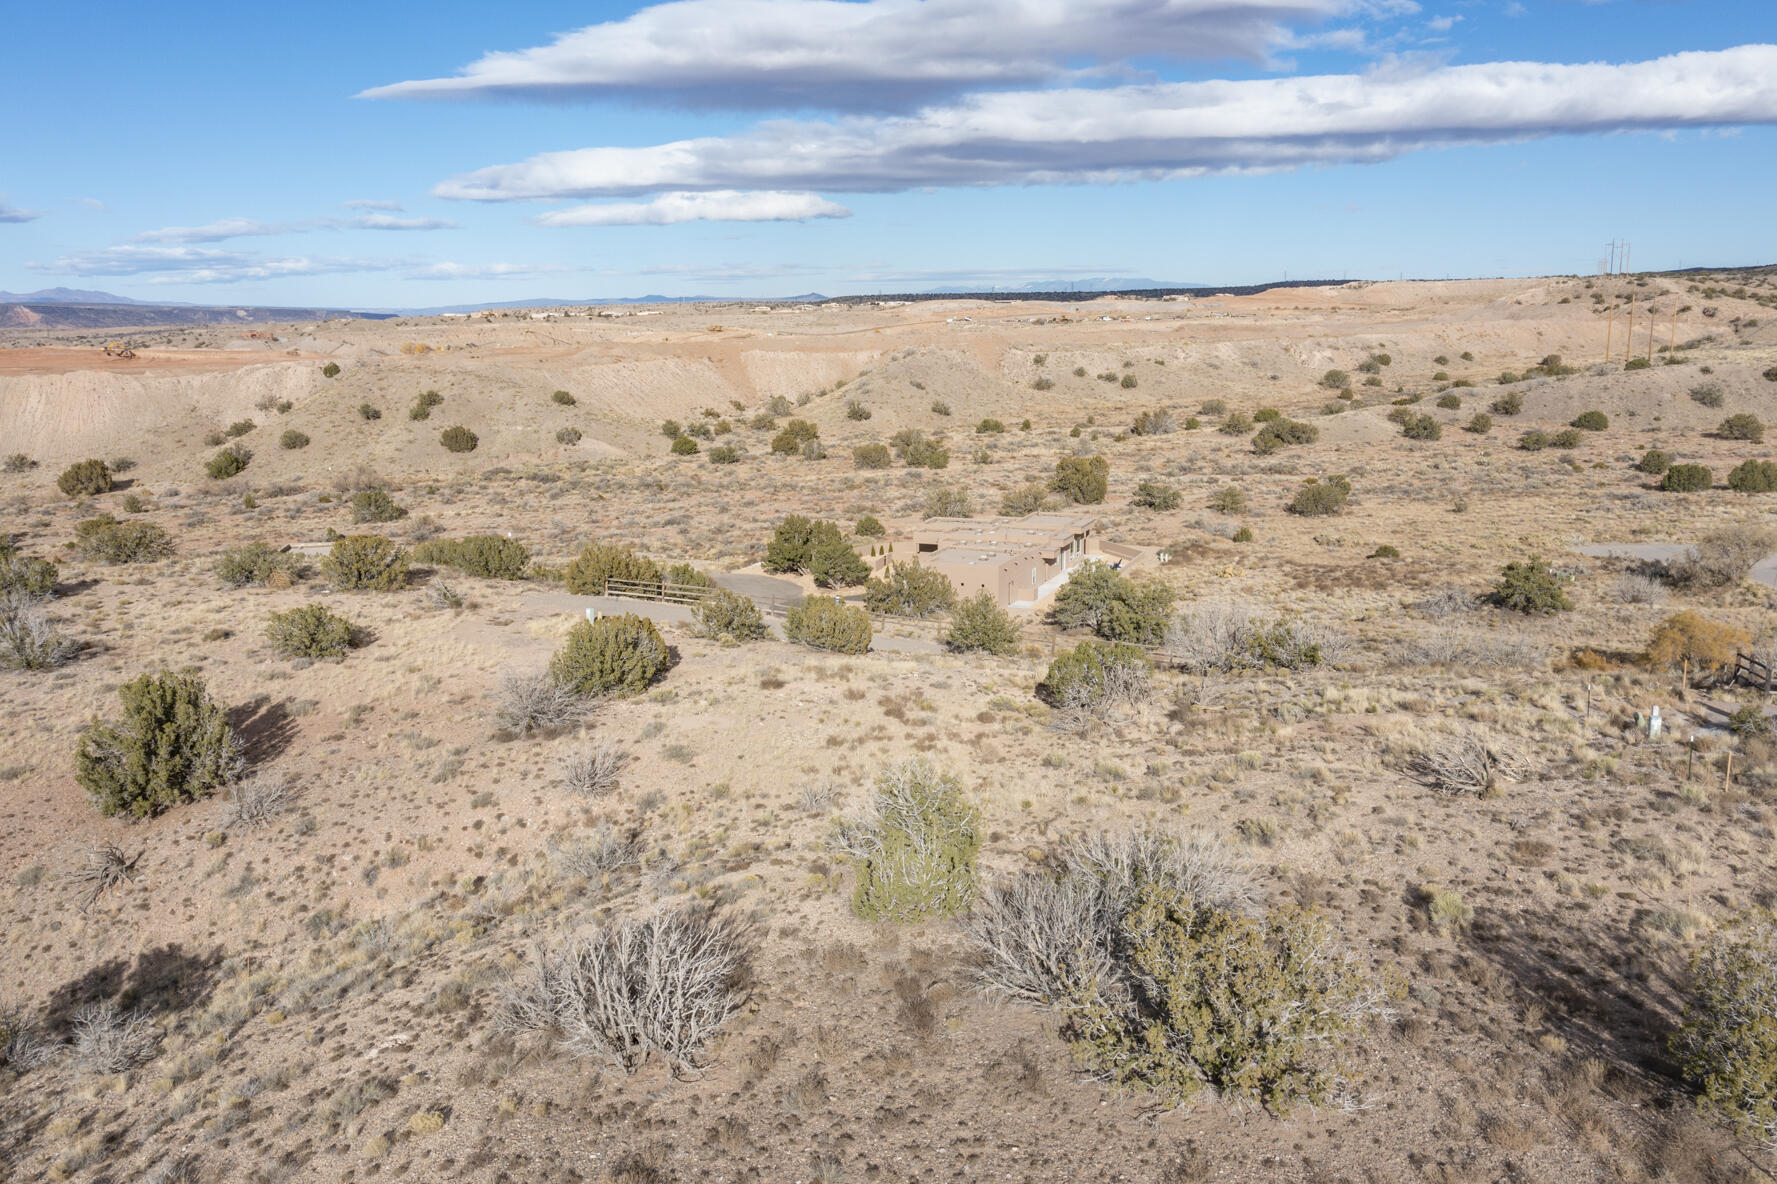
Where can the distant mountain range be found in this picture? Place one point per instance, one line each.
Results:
(66, 296)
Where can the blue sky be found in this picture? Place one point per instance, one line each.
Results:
(378, 156)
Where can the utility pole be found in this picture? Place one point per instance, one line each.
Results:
(1629, 344)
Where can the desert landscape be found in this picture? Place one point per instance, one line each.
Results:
(1421, 561)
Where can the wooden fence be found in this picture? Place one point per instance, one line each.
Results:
(660, 590)
(1751, 671)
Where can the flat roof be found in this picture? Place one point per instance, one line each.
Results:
(975, 556)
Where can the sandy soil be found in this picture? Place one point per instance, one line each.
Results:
(325, 988)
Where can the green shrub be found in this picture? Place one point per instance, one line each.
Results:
(239, 428)
(1320, 499)
(1082, 480)
(940, 407)
(870, 456)
(795, 539)
(567, 436)
(728, 614)
(562, 397)
(1281, 433)
(724, 454)
(1687, 479)
(914, 849)
(1753, 476)
(1128, 382)
(1771, 374)
(909, 590)
(1530, 587)
(1709, 394)
(1115, 607)
(1153, 423)
(459, 439)
(1238, 423)
(1025, 499)
(700, 430)
(836, 564)
(258, 564)
(979, 623)
(794, 435)
(172, 745)
(1480, 424)
(292, 440)
(1637, 364)
(1335, 379)
(926, 454)
(947, 501)
(228, 462)
(330, 370)
(1254, 1010)
(368, 412)
(1535, 440)
(684, 446)
(1726, 1046)
(671, 429)
(600, 562)
(1654, 461)
(488, 555)
(25, 577)
(1152, 495)
(856, 410)
(309, 632)
(86, 478)
(1421, 427)
(374, 505)
(827, 623)
(1566, 438)
(365, 562)
(1450, 402)
(1742, 427)
(1591, 421)
(1386, 551)
(610, 656)
(1267, 415)
(423, 404)
(869, 527)
(1095, 674)
(989, 427)
(107, 540)
(1510, 403)
(1230, 499)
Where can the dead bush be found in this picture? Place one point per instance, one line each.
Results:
(102, 869)
(28, 641)
(594, 771)
(603, 851)
(260, 800)
(624, 993)
(1723, 556)
(1468, 764)
(526, 703)
(108, 1040)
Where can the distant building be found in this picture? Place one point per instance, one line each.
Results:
(1017, 560)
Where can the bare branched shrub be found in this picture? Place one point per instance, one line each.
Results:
(1448, 647)
(593, 771)
(815, 798)
(528, 703)
(1195, 864)
(441, 595)
(22, 1046)
(102, 869)
(1445, 601)
(1468, 764)
(1723, 556)
(1211, 639)
(660, 986)
(27, 639)
(604, 851)
(1632, 588)
(108, 1041)
(179, 1169)
(1043, 938)
(261, 799)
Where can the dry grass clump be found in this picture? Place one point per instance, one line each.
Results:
(604, 851)
(661, 987)
(1468, 764)
(593, 771)
(260, 800)
(108, 1040)
(540, 702)
(22, 1047)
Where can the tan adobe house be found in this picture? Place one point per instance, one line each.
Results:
(1018, 560)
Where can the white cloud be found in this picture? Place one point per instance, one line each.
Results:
(390, 222)
(366, 203)
(199, 265)
(873, 54)
(1169, 129)
(722, 205)
(1442, 24)
(215, 232)
(89, 203)
(14, 214)
(483, 271)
